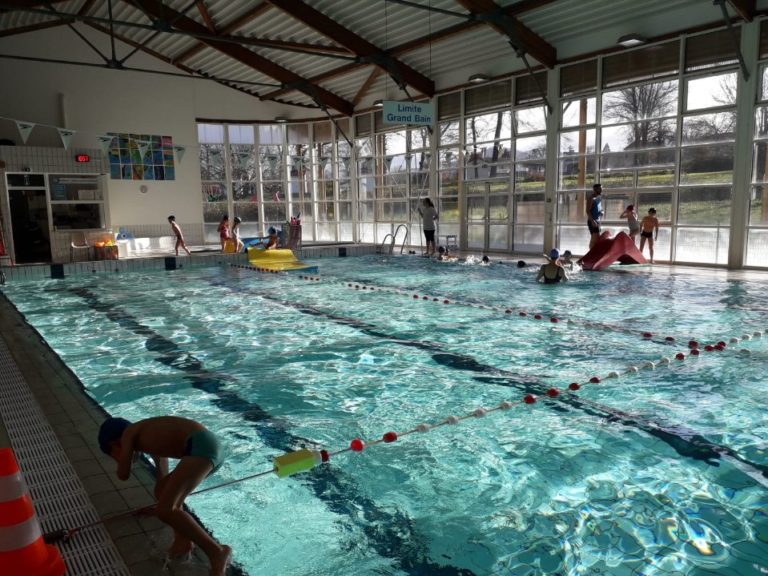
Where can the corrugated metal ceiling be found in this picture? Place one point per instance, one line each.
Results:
(573, 27)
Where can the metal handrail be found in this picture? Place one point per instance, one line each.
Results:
(391, 244)
(402, 246)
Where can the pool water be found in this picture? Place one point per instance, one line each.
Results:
(654, 470)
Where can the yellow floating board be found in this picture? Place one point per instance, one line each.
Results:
(280, 259)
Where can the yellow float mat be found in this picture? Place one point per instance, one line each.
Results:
(278, 259)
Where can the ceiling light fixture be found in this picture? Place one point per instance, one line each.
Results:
(281, 119)
(378, 103)
(479, 78)
(631, 40)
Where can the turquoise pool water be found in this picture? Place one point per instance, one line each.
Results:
(653, 471)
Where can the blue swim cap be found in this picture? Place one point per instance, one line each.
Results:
(554, 254)
(111, 431)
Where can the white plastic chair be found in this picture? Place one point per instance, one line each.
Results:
(78, 243)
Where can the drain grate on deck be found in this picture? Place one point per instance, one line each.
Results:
(59, 497)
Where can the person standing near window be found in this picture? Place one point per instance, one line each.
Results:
(632, 221)
(594, 213)
(428, 214)
(223, 231)
(649, 225)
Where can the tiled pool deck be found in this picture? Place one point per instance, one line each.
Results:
(75, 418)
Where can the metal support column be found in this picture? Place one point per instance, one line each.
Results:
(742, 158)
(551, 169)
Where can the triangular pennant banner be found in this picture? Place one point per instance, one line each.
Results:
(298, 162)
(66, 136)
(242, 160)
(388, 162)
(104, 143)
(179, 152)
(272, 162)
(25, 128)
(143, 147)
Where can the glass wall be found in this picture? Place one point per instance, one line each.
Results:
(274, 172)
(658, 133)
(214, 178)
(654, 125)
(757, 227)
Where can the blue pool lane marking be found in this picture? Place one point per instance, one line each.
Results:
(682, 440)
(391, 535)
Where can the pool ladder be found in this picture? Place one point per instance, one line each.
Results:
(392, 240)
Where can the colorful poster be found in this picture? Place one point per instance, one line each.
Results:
(141, 157)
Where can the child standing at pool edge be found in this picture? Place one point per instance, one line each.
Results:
(199, 454)
(179, 235)
(649, 225)
(634, 225)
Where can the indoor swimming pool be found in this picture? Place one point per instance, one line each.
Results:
(623, 452)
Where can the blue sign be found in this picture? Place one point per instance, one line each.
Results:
(408, 112)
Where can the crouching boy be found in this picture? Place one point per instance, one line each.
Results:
(199, 453)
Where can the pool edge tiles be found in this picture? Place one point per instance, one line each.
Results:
(165, 262)
(134, 546)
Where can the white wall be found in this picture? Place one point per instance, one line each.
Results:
(97, 101)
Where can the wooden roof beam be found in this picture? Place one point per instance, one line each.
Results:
(233, 26)
(366, 52)
(519, 8)
(324, 98)
(520, 36)
(366, 86)
(206, 16)
(747, 9)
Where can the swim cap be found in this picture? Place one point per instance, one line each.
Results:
(630, 207)
(111, 431)
(441, 249)
(237, 220)
(567, 253)
(554, 254)
(272, 230)
(521, 264)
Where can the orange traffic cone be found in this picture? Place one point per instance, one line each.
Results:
(22, 550)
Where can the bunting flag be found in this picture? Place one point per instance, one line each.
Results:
(388, 162)
(25, 129)
(272, 163)
(104, 143)
(242, 159)
(143, 147)
(298, 162)
(179, 152)
(66, 136)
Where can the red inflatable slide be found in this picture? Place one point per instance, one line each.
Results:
(608, 250)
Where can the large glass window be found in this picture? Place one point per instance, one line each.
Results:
(757, 231)
(244, 178)
(213, 174)
(655, 125)
(706, 168)
(656, 139)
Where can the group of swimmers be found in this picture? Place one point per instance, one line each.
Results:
(554, 270)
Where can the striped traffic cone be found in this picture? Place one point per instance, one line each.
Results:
(22, 550)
